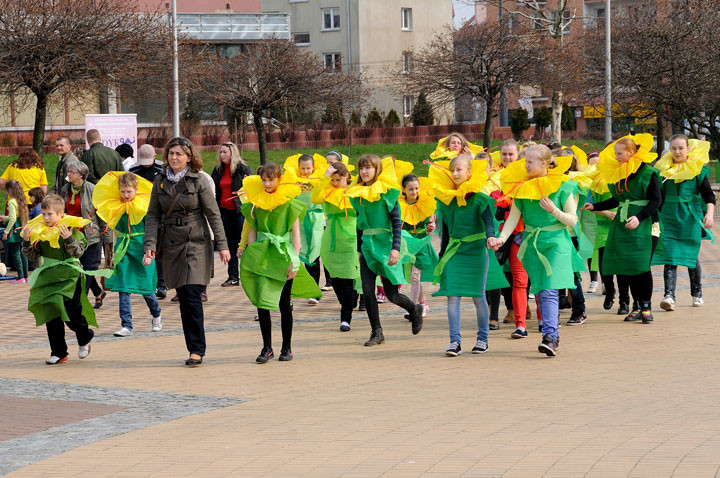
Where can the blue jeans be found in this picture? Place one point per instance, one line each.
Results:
(547, 301)
(481, 311)
(126, 308)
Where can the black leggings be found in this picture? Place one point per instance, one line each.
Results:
(77, 323)
(607, 280)
(346, 295)
(641, 285)
(391, 292)
(286, 319)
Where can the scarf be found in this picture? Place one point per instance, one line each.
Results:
(74, 191)
(175, 177)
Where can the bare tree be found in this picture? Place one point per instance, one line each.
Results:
(475, 61)
(274, 74)
(75, 47)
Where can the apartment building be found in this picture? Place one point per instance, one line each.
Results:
(368, 36)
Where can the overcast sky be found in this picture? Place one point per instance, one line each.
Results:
(463, 12)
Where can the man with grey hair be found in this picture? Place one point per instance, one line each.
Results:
(99, 158)
(64, 149)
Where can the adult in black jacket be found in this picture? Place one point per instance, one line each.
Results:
(228, 176)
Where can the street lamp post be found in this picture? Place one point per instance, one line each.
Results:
(608, 75)
(503, 99)
(175, 81)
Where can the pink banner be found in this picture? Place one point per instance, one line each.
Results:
(114, 129)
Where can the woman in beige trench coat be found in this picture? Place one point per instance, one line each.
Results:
(176, 229)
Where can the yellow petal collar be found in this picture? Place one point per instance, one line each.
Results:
(402, 168)
(109, 204)
(288, 188)
(614, 171)
(697, 157)
(386, 180)
(320, 165)
(441, 152)
(421, 209)
(39, 231)
(445, 188)
(517, 185)
(590, 178)
(325, 192)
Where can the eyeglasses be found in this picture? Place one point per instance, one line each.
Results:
(180, 141)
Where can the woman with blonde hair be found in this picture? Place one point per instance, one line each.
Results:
(228, 176)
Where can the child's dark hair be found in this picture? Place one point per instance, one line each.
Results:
(408, 178)
(680, 136)
(53, 202)
(36, 195)
(306, 157)
(269, 170)
(341, 170)
(128, 180)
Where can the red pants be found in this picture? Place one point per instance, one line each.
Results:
(519, 288)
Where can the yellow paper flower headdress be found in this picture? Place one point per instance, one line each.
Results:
(517, 185)
(442, 152)
(320, 165)
(581, 157)
(613, 171)
(326, 192)
(496, 160)
(445, 188)
(109, 204)
(402, 168)
(386, 180)
(39, 231)
(288, 188)
(590, 178)
(698, 156)
(421, 209)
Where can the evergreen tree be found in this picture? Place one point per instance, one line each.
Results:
(422, 113)
(391, 119)
(519, 122)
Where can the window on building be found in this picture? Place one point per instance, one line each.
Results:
(407, 62)
(408, 103)
(565, 21)
(331, 19)
(333, 61)
(301, 39)
(406, 18)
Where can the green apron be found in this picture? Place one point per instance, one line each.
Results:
(628, 252)
(130, 274)
(426, 259)
(682, 215)
(466, 257)
(311, 229)
(265, 262)
(584, 227)
(601, 231)
(546, 245)
(338, 248)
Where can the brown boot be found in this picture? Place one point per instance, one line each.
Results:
(529, 313)
(509, 317)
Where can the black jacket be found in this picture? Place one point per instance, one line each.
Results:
(148, 173)
(242, 171)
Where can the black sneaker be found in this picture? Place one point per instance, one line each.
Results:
(416, 317)
(624, 308)
(577, 319)
(548, 346)
(609, 301)
(564, 302)
(633, 316)
(161, 293)
(519, 334)
(376, 338)
(265, 354)
(286, 355)
(453, 350)
(361, 304)
(647, 316)
(344, 327)
(230, 283)
(480, 347)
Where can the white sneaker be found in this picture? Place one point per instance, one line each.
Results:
(124, 332)
(55, 360)
(426, 310)
(313, 301)
(668, 303)
(157, 324)
(531, 296)
(84, 350)
(697, 302)
(592, 288)
(326, 288)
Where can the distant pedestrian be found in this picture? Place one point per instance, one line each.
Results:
(126, 152)
(28, 169)
(63, 148)
(99, 158)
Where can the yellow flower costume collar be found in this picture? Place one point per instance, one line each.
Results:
(332, 195)
(288, 188)
(444, 187)
(402, 168)
(698, 156)
(385, 181)
(110, 206)
(320, 164)
(441, 152)
(421, 209)
(517, 185)
(39, 231)
(590, 178)
(613, 171)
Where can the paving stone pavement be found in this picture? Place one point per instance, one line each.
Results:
(619, 400)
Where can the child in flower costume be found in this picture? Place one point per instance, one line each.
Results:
(687, 214)
(452, 145)
(635, 230)
(270, 267)
(545, 200)
(57, 288)
(309, 170)
(465, 268)
(417, 210)
(383, 248)
(121, 200)
(338, 248)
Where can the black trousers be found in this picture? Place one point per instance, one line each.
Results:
(493, 300)
(607, 280)
(192, 316)
(347, 296)
(160, 273)
(641, 285)
(90, 261)
(314, 271)
(368, 278)
(670, 276)
(286, 319)
(232, 223)
(78, 324)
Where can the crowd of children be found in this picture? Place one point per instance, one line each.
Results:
(521, 222)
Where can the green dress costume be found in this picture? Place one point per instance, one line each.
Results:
(311, 229)
(130, 274)
(463, 265)
(338, 248)
(682, 215)
(426, 259)
(584, 229)
(265, 262)
(546, 245)
(628, 251)
(601, 230)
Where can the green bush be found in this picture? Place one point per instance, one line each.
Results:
(422, 113)
(519, 122)
(542, 118)
(567, 122)
(391, 119)
(355, 119)
(374, 119)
